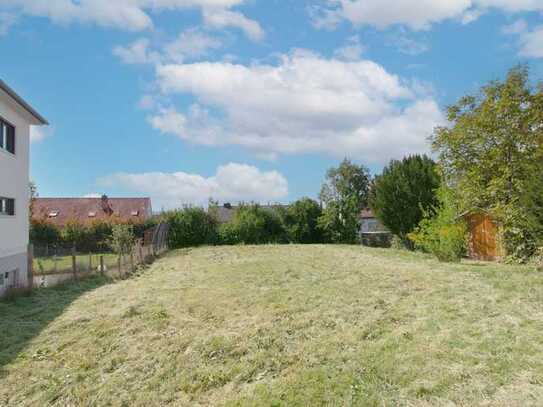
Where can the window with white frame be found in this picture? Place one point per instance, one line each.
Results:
(7, 206)
(7, 137)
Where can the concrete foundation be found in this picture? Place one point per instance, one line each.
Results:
(13, 272)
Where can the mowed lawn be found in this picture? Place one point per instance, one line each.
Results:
(281, 326)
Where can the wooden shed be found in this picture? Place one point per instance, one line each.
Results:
(485, 242)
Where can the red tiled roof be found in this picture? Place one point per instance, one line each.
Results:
(60, 211)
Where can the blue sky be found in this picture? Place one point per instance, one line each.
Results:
(246, 99)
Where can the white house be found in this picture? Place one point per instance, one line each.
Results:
(16, 117)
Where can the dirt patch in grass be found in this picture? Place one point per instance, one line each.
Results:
(282, 325)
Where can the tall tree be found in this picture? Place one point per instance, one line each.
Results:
(404, 192)
(491, 154)
(301, 221)
(344, 194)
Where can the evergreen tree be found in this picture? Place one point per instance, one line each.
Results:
(404, 192)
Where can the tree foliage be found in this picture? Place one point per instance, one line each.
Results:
(191, 227)
(491, 155)
(442, 232)
(122, 239)
(253, 224)
(301, 221)
(404, 192)
(344, 194)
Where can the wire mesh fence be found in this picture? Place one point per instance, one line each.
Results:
(53, 264)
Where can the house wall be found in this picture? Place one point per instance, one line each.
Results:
(14, 179)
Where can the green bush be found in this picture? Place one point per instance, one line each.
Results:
(122, 239)
(228, 234)
(301, 221)
(74, 234)
(253, 224)
(441, 232)
(191, 227)
(43, 233)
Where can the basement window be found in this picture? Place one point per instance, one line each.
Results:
(7, 206)
(53, 214)
(135, 213)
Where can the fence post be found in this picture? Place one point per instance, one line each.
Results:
(132, 269)
(30, 269)
(90, 263)
(141, 252)
(119, 265)
(55, 259)
(102, 264)
(74, 263)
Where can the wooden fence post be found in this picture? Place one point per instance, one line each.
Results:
(141, 253)
(102, 271)
(90, 263)
(74, 263)
(132, 269)
(30, 270)
(119, 265)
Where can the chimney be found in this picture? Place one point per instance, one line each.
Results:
(106, 207)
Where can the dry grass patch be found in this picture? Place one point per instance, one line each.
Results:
(281, 325)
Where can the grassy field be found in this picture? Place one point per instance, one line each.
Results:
(281, 326)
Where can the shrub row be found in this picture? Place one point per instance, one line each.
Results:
(251, 224)
(91, 237)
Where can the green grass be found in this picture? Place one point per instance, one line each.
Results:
(281, 326)
(62, 264)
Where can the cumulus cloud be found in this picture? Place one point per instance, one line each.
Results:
(303, 104)
(416, 14)
(232, 182)
(132, 15)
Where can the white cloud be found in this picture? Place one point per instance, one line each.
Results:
(7, 20)
(137, 52)
(416, 14)
(222, 18)
(191, 44)
(530, 41)
(38, 133)
(231, 182)
(351, 51)
(304, 104)
(517, 27)
(132, 15)
(409, 46)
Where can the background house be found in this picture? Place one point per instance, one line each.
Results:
(60, 211)
(16, 117)
(372, 232)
